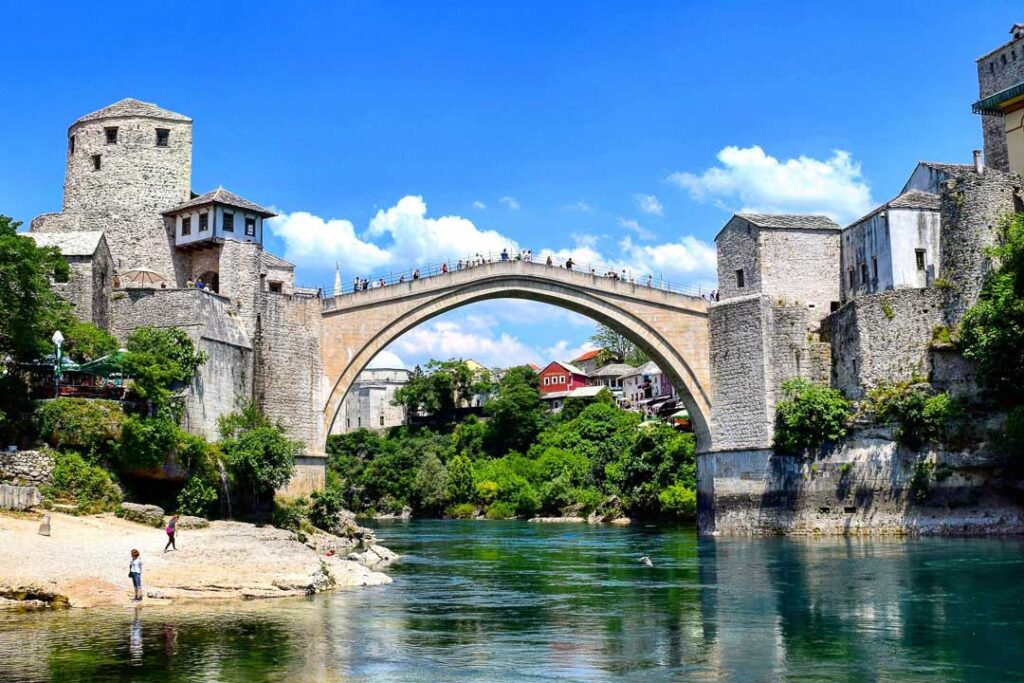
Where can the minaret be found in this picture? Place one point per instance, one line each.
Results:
(337, 279)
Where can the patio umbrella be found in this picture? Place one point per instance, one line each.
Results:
(105, 366)
(680, 415)
(143, 277)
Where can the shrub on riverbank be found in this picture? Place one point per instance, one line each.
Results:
(809, 416)
(87, 485)
(91, 426)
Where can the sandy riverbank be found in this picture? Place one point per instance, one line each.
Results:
(86, 560)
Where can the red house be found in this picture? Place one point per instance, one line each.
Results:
(559, 376)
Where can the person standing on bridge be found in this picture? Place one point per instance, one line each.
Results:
(444, 268)
(568, 263)
(504, 254)
(549, 260)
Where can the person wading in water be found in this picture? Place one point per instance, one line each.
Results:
(172, 529)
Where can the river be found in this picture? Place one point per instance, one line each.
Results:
(511, 601)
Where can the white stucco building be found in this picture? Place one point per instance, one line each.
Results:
(368, 403)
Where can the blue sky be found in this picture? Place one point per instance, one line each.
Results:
(393, 134)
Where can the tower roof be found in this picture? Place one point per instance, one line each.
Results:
(222, 196)
(132, 108)
(790, 221)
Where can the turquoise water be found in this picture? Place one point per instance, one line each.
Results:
(510, 601)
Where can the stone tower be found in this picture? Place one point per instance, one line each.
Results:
(126, 164)
(1000, 85)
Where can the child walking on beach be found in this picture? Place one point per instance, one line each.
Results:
(135, 574)
(172, 528)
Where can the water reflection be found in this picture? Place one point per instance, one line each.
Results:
(499, 602)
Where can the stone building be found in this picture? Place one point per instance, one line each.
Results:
(368, 404)
(92, 270)
(1001, 103)
(777, 277)
(894, 247)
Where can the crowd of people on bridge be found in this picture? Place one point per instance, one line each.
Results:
(480, 259)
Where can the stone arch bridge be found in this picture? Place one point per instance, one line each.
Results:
(671, 328)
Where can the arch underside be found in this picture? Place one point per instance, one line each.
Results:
(416, 309)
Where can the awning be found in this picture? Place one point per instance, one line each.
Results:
(680, 415)
(106, 365)
(994, 105)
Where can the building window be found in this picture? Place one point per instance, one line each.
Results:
(853, 282)
(229, 222)
(381, 420)
(250, 226)
(874, 268)
(863, 273)
(920, 258)
(359, 422)
(274, 287)
(163, 137)
(111, 135)
(204, 222)
(547, 381)
(991, 67)
(186, 226)
(348, 422)
(740, 283)
(71, 145)
(96, 162)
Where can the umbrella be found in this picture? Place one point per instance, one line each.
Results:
(105, 366)
(680, 415)
(143, 277)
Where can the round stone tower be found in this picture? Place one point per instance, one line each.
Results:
(126, 164)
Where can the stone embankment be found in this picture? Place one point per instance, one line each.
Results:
(84, 562)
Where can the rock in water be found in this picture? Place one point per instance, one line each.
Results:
(44, 526)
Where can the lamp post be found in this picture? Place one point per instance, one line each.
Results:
(58, 341)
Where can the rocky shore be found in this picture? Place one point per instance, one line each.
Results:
(84, 562)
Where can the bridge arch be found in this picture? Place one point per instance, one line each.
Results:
(669, 327)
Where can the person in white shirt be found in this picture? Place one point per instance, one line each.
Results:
(135, 574)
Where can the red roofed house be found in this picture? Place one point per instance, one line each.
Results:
(587, 361)
(561, 377)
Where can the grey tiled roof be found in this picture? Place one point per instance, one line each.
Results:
(269, 259)
(946, 168)
(916, 199)
(790, 221)
(131, 107)
(222, 196)
(612, 370)
(911, 199)
(69, 243)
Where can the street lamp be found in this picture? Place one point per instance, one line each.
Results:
(58, 341)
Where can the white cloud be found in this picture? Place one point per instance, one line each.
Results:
(762, 183)
(582, 207)
(563, 351)
(634, 226)
(479, 205)
(648, 203)
(510, 202)
(444, 339)
(396, 238)
(386, 359)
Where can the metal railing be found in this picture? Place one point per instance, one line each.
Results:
(432, 270)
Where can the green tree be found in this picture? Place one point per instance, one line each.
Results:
(30, 311)
(431, 485)
(460, 486)
(992, 331)
(616, 348)
(442, 388)
(85, 342)
(809, 416)
(515, 411)
(160, 362)
(261, 457)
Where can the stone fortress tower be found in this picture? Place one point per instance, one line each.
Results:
(126, 163)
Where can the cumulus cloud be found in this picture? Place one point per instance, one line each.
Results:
(510, 202)
(479, 205)
(396, 238)
(759, 182)
(648, 203)
(444, 339)
(635, 227)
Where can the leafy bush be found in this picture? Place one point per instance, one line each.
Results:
(991, 333)
(260, 456)
(146, 441)
(462, 511)
(76, 480)
(460, 487)
(324, 508)
(922, 416)
(290, 514)
(500, 510)
(921, 481)
(809, 416)
(198, 497)
(91, 426)
(85, 342)
(431, 484)
(161, 360)
(679, 501)
(487, 491)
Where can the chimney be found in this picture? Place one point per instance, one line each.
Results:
(979, 167)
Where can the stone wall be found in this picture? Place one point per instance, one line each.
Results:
(25, 468)
(884, 337)
(290, 384)
(240, 280)
(739, 414)
(19, 497)
(215, 327)
(738, 249)
(793, 350)
(863, 487)
(801, 267)
(973, 206)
